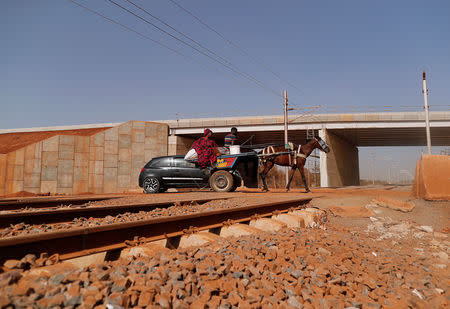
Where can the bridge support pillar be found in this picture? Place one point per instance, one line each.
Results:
(179, 145)
(339, 167)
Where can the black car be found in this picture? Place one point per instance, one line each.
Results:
(162, 173)
(225, 175)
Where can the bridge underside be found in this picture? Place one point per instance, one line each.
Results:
(440, 136)
(359, 137)
(340, 167)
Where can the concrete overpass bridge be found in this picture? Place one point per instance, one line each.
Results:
(343, 132)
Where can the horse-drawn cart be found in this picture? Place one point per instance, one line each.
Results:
(229, 171)
(225, 175)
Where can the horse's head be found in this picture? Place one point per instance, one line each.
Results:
(322, 145)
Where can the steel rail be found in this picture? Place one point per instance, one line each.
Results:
(84, 241)
(38, 202)
(68, 214)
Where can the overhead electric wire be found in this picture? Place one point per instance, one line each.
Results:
(260, 62)
(245, 75)
(189, 38)
(153, 40)
(177, 31)
(131, 29)
(148, 38)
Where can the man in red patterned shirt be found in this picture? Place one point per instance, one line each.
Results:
(206, 149)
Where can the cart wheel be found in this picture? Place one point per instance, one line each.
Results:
(234, 188)
(221, 181)
(237, 181)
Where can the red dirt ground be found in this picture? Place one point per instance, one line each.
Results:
(388, 261)
(435, 214)
(21, 194)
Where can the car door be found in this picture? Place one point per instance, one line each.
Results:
(163, 170)
(186, 173)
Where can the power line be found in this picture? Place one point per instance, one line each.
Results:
(132, 30)
(260, 62)
(243, 74)
(149, 38)
(189, 38)
(177, 31)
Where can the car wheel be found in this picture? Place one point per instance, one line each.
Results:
(221, 181)
(151, 185)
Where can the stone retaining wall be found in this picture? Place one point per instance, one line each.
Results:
(105, 162)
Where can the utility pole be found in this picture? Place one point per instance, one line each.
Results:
(285, 103)
(372, 161)
(389, 170)
(285, 100)
(315, 168)
(427, 119)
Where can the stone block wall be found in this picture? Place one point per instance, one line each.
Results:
(3, 159)
(15, 170)
(179, 145)
(81, 164)
(106, 162)
(117, 155)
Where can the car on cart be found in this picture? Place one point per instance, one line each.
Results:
(228, 173)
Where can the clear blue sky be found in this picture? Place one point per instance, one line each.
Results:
(61, 65)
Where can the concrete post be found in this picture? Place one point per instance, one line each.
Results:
(427, 111)
(340, 167)
(323, 162)
(172, 145)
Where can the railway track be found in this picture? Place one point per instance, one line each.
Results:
(43, 202)
(78, 242)
(68, 214)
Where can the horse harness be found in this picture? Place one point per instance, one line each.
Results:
(296, 154)
(290, 147)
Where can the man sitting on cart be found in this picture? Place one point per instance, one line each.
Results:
(206, 149)
(230, 138)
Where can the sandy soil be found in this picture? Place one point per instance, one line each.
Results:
(432, 213)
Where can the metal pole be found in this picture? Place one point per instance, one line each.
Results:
(389, 172)
(427, 119)
(315, 168)
(285, 100)
(372, 160)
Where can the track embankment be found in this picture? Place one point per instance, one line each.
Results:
(80, 241)
(67, 214)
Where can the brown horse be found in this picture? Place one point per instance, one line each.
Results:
(296, 159)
